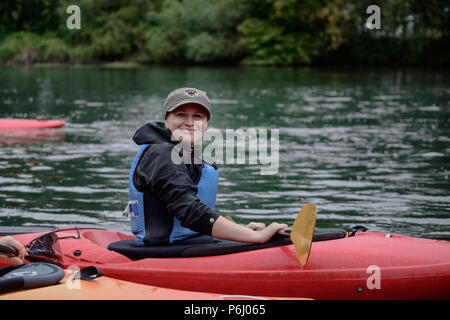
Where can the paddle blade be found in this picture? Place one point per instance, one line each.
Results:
(303, 231)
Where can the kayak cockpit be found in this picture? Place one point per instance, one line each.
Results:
(205, 246)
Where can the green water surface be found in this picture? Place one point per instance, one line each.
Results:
(369, 146)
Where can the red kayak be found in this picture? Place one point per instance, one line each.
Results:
(25, 124)
(362, 265)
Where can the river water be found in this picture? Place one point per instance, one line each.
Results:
(368, 146)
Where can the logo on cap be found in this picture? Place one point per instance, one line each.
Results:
(190, 92)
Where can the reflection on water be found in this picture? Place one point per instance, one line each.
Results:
(368, 147)
(16, 138)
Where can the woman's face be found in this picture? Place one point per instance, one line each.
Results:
(187, 123)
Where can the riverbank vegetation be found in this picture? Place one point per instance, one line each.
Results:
(237, 32)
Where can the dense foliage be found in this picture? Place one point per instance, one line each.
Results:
(251, 32)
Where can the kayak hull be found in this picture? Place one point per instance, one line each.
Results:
(366, 266)
(26, 124)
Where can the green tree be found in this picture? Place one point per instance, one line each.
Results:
(199, 31)
(28, 15)
(259, 32)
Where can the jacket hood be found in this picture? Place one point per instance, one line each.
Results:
(153, 133)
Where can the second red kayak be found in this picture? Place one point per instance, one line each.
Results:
(26, 124)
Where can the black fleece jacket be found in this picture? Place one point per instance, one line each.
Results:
(169, 189)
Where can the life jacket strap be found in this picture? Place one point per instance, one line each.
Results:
(127, 212)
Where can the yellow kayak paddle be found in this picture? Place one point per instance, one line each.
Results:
(303, 231)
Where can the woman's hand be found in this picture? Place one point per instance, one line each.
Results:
(264, 235)
(10, 242)
(254, 232)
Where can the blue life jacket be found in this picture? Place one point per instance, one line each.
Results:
(207, 192)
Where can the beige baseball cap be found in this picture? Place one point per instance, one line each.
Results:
(181, 96)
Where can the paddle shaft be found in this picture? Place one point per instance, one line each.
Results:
(11, 252)
(8, 251)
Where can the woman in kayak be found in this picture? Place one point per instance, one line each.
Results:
(172, 190)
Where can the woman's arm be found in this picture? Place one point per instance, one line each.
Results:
(229, 230)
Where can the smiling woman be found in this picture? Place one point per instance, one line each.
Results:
(173, 201)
